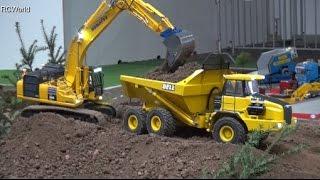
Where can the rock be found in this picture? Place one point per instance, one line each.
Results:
(149, 141)
(67, 157)
(123, 154)
(160, 176)
(143, 165)
(140, 173)
(127, 148)
(106, 171)
(25, 145)
(96, 152)
(2, 143)
(179, 160)
(116, 161)
(68, 136)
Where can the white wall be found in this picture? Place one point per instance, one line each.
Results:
(242, 22)
(48, 10)
(128, 39)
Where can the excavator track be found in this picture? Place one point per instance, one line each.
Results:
(81, 114)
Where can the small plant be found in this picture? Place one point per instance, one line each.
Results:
(8, 106)
(55, 57)
(14, 77)
(28, 54)
(243, 58)
(247, 164)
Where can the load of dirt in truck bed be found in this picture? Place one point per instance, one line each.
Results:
(51, 146)
(181, 73)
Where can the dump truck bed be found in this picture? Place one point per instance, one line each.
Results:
(190, 94)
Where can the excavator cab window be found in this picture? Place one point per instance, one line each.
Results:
(96, 82)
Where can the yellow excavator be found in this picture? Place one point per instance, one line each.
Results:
(76, 90)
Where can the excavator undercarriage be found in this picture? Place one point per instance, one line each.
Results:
(81, 114)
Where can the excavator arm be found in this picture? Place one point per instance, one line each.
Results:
(180, 43)
(77, 85)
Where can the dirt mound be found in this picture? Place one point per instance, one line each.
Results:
(305, 164)
(51, 146)
(48, 145)
(181, 73)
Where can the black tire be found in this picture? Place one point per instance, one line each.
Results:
(239, 131)
(168, 125)
(140, 122)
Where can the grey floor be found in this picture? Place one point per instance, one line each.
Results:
(311, 106)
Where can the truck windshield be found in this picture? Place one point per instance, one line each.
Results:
(251, 87)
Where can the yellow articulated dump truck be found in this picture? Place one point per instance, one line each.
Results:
(212, 98)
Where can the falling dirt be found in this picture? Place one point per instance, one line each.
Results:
(181, 73)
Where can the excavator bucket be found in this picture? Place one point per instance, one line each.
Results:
(180, 45)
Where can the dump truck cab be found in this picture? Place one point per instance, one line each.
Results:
(240, 100)
(237, 92)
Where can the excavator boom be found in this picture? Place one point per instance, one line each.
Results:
(180, 43)
(77, 85)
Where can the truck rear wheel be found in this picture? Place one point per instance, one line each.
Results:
(229, 130)
(134, 121)
(161, 122)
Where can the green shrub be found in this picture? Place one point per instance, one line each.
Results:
(8, 111)
(243, 58)
(247, 164)
(56, 56)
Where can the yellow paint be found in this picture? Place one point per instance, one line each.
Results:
(133, 122)
(189, 99)
(246, 77)
(156, 123)
(226, 134)
(73, 87)
(302, 92)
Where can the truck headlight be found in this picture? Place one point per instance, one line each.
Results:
(100, 98)
(279, 125)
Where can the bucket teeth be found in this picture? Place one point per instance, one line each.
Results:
(180, 46)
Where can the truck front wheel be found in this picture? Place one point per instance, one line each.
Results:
(161, 122)
(229, 130)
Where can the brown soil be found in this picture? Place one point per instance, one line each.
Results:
(305, 164)
(51, 146)
(181, 73)
(48, 145)
(121, 103)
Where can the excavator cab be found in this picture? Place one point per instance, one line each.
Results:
(96, 81)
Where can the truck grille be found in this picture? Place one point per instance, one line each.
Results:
(287, 113)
